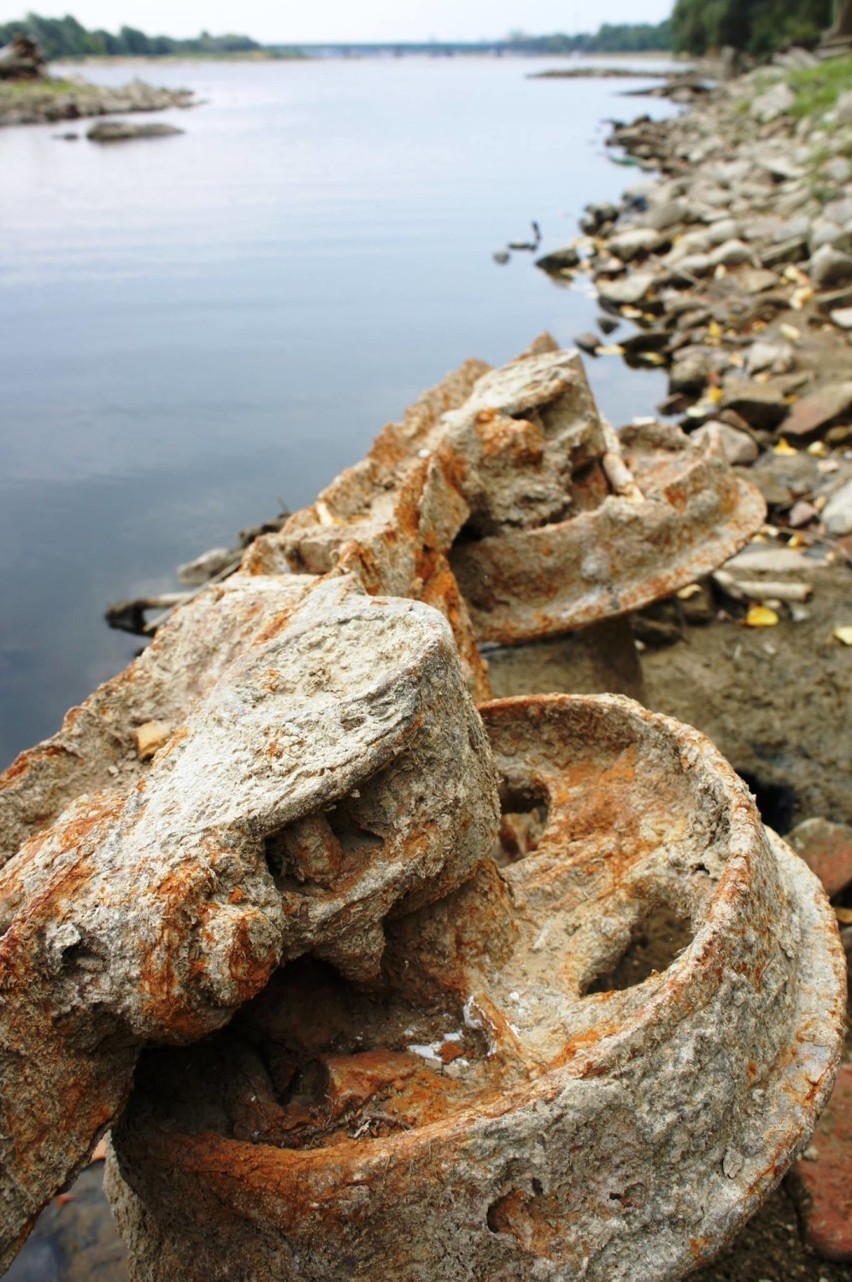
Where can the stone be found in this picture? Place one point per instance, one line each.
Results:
(842, 317)
(765, 355)
(690, 372)
(844, 108)
(827, 1179)
(637, 242)
(608, 324)
(731, 253)
(560, 260)
(628, 292)
(826, 848)
(124, 131)
(838, 170)
(288, 814)
(588, 342)
(693, 266)
(739, 448)
(150, 738)
(824, 232)
(760, 404)
(837, 513)
(792, 250)
(775, 102)
(458, 1122)
(830, 268)
(838, 211)
(663, 217)
(205, 567)
(801, 514)
(818, 410)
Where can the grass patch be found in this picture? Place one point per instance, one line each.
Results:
(818, 88)
(19, 89)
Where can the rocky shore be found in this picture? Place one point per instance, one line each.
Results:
(731, 267)
(31, 102)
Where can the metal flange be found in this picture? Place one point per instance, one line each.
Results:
(592, 1061)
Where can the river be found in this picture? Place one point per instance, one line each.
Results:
(199, 329)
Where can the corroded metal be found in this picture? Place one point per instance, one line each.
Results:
(591, 1061)
(449, 1065)
(550, 521)
(335, 775)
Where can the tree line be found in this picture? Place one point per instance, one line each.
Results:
(755, 26)
(625, 37)
(68, 38)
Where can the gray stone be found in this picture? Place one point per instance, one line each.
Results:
(824, 232)
(637, 242)
(732, 253)
(760, 404)
(843, 317)
(560, 260)
(839, 211)
(792, 250)
(830, 268)
(627, 292)
(818, 410)
(125, 131)
(690, 373)
(775, 102)
(738, 447)
(662, 217)
(844, 108)
(837, 513)
(777, 357)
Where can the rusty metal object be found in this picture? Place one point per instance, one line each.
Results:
(336, 774)
(617, 555)
(95, 748)
(591, 1061)
(550, 522)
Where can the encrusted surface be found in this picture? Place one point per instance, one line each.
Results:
(589, 1062)
(548, 520)
(623, 553)
(336, 773)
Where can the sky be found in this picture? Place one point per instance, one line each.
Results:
(272, 21)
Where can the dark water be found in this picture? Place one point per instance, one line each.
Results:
(197, 329)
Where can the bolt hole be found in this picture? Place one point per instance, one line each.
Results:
(775, 801)
(524, 814)
(659, 940)
(537, 1188)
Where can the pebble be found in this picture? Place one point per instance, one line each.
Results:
(826, 848)
(837, 513)
(827, 1211)
(830, 268)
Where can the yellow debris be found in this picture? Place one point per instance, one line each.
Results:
(652, 358)
(790, 333)
(818, 448)
(843, 635)
(611, 349)
(691, 590)
(783, 447)
(760, 616)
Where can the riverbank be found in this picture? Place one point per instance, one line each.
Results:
(733, 270)
(29, 102)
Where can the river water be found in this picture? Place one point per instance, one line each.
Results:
(199, 329)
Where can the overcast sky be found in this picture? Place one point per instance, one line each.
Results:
(317, 20)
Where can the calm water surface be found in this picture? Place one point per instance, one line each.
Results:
(198, 329)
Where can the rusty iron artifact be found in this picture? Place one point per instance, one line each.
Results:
(578, 1041)
(550, 521)
(591, 1061)
(336, 774)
